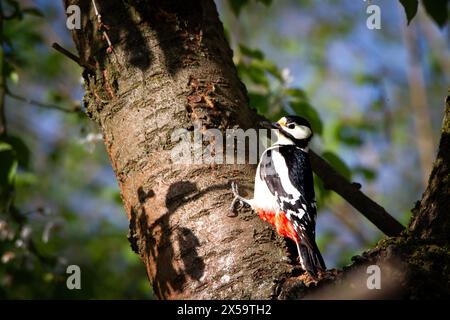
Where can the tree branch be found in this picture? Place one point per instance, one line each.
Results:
(351, 193)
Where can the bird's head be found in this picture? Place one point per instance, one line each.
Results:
(293, 130)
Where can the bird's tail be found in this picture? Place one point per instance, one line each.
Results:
(310, 258)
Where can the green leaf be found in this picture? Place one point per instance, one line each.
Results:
(296, 93)
(367, 173)
(410, 8)
(265, 2)
(8, 165)
(14, 77)
(304, 109)
(270, 67)
(227, 34)
(4, 146)
(277, 114)
(254, 72)
(348, 135)
(252, 53)
(321, 192)
(237, 5)
(365, 78)
(21, 150)
(26, 179)
(438, 10)
(33, 11)
(337, 163)
(259, 101)
(55, 96)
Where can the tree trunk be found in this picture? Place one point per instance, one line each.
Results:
(431, 220)
(169, 68)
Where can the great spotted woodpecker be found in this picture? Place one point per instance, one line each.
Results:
(284, 189)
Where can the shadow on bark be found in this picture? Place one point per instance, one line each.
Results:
(173, 22)
(156, 240)
(161, 250)
(123, 27)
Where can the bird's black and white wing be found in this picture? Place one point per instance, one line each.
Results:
(287, 172)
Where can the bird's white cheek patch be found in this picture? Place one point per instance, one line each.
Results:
(281, 139)
(302, 132)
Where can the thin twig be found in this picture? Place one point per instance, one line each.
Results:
(102, 27)
(73, 57)
(97, 14)
(41, 104)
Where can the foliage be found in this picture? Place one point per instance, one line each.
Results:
(238, 5)
(44, 160)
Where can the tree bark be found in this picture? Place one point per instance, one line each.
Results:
(431, 220)
(170, 67)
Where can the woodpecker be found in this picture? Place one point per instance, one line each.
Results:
(284, 189)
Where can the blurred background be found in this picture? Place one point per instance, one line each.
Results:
(375, 99)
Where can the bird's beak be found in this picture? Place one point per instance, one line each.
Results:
(270, 125)
(281, 122)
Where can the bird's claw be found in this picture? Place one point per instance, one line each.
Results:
(237, 198)
(235, 190)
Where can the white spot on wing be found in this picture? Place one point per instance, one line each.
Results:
(283, 173)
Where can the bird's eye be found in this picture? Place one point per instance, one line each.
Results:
(291, 126)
